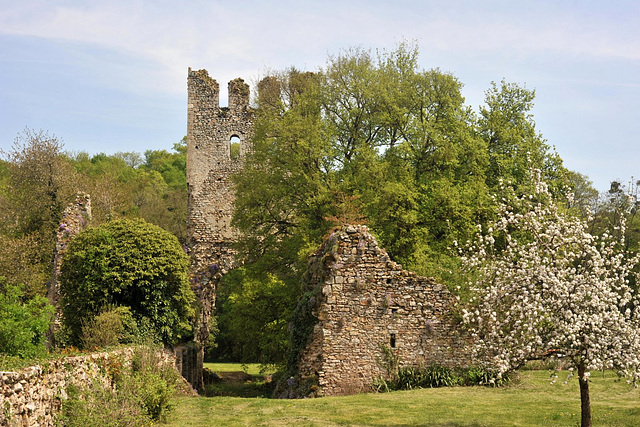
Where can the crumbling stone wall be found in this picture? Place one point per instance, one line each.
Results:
(210, 164)
(365, 302)
(74, 219)
(33, 395)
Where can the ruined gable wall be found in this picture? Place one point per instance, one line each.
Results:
(366, 301)
(210, 191)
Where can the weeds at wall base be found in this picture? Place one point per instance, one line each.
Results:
(434, 376)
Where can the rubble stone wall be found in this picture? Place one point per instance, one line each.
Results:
(367, 303)
(210, 165)
(74, 219)
(33, 395)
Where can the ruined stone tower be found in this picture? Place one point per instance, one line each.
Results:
(217, 140)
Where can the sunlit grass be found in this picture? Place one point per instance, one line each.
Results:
(249, 368)
(533, 401)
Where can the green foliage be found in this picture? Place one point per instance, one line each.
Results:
(104, 330)
(398, 142)
(303, 321)
(514, 145)
(128, 185)
(101, 405)
(155, 381)
(37, 182)
(234, 150)
(24, 322)
(409, 378)
(116, 325)
(252, 317)
(127, 263)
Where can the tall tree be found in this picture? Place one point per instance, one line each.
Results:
(515, 146)
(39, 182)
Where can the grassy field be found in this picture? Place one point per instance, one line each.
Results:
(533, 401)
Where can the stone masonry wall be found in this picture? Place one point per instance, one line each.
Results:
(210, 165)
(74, 220)
(367, 302)
(33, 396)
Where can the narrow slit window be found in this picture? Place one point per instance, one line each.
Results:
(234, 147)
(392, 341)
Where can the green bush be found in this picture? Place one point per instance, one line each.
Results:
(106, 329)
(100, 405)
(156, 382)
(127, 263)
(115, 326)
(23, 323)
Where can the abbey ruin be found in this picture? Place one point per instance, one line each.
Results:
(364, 302)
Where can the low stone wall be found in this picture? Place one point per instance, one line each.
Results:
(33, 395)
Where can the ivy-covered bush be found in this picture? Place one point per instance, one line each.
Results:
(128, 263)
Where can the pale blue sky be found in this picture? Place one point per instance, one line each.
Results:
(110, 76)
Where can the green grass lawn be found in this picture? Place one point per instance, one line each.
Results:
(532, 401)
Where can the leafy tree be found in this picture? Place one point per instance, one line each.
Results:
(515, 146)
(23, 322)
(125, 185)
(619, 204)
(37, 182)
(584, 200)
(127, 263)
(253, 318)
(397, 141)
(544, 286)
(374, 138)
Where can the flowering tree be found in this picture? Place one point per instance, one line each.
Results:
(543, 286)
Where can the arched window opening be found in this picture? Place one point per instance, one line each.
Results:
(234, 147)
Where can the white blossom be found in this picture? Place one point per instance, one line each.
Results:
(551, 289)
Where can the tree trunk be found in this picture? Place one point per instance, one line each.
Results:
(585, 403)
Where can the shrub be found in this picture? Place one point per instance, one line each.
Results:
(127, 263)
(101, 405)
(106, 329)
(116, 326)
(156, 382)
(141, 395)
(23, 323)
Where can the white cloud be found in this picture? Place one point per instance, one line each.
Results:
(174, 34)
